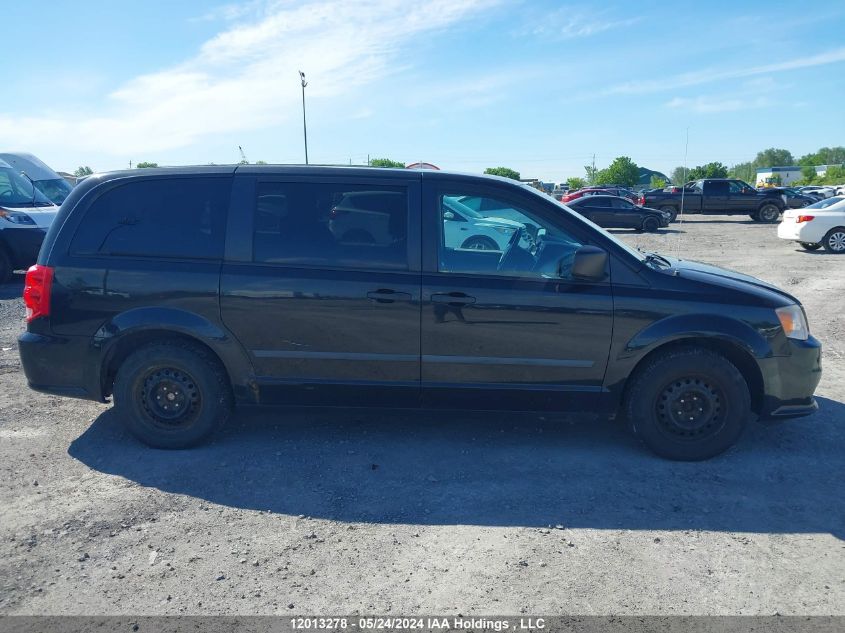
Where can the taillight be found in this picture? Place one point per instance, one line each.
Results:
(641, 201)
(36, 291)
(804, 218)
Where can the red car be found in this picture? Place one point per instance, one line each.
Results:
(605, 191)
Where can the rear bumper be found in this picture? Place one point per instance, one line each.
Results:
(789, 381)
(62, 366)
(23, 244)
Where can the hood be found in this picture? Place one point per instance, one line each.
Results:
(725, 278)
(42, 216)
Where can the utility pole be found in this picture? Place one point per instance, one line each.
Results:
(304, 128)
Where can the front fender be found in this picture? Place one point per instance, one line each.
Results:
(142, 322)
(688, 326)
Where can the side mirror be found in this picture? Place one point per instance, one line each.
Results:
(590, 263)
(448, 215)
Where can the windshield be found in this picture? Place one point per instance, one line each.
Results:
(56, 189)
(639, 255)
(17, 191)
(824, 204)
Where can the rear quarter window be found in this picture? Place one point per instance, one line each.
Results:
(164, 218)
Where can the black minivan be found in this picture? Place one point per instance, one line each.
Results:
(183, 292)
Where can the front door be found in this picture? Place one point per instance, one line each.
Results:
(326, 298)
(510, 328)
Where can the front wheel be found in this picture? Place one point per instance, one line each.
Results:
(651, 225)
(809, 246)
(688, 404)
(172, 395)
(768, 213)
(834, 241)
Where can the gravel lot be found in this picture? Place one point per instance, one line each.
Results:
(342, 513)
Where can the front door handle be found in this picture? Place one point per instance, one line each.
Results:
(386, 295)
(454, 299)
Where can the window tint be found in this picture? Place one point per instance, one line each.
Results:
(716, 187)
(331, 225)
(167, 217)
(602, 202)
(621, 203)
(510, 239)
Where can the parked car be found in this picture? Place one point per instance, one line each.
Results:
(819, 190)
(795, 199)
(820, 225)
(721, 196)
(51, 184)
(619, 213)
(25, 216)
(594, 191)
(181, 292)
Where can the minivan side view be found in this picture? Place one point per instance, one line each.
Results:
(183, 292)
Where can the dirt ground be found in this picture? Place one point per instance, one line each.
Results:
(344, 513)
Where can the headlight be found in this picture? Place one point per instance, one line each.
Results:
(16, 217)
(793, 322)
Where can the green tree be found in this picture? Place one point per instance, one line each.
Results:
(825, 156)
(261, 162)
(386, 162)
(592, 174)
(744, 171)
(680, 176)
(622, 171)
(809, 173)
(83, 171)
(773, 157)
(505, 172)
(145, 165)
(576, 183)
(657, 182)
(710, 170)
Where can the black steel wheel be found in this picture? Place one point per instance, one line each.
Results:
(172, 395)
(651, 225)
(768, 213)
(688, 403)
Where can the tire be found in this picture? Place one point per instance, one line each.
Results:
(5, 266)
(481, 243)
(768, 213)
(672, 211)
(808, 246)
(651, 225)
(754, 216)
(686, 377)
(181, 374)
(834, 241)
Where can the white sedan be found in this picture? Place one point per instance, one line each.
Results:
(819, 225)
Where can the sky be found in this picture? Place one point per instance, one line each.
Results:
(541, 87)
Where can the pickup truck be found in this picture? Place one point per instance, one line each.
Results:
(719, 195)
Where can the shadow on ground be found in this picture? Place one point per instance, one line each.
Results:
(13, 289)
(500, 470)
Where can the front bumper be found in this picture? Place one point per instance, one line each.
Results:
(789, 381)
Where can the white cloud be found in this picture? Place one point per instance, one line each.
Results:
(711, 75)
(710, 105)
(245, 78)
(570, 23)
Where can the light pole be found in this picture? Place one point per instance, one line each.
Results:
(304, 128)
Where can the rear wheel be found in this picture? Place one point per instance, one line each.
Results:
(688, 404)
(834, 241)
(651, 225)
(480, 243)
(768, 213)
(809, 246)
(172, 395)
(672, 211)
